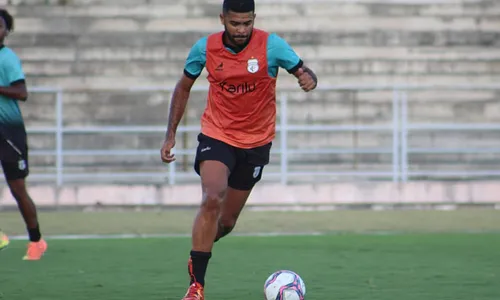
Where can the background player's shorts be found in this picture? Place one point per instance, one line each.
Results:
(14, 155)
(245, 165)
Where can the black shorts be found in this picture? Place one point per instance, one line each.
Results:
(14, 153)
(245, 165)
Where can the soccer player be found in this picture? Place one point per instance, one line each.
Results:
(237, 126)
(13, 139)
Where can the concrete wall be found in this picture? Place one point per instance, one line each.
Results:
(338, 194)
(90, 44)
(86, 46)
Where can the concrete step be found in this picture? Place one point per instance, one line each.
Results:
(349, 98)
(150, 108)
(94, 2)
(103, 68)
(483, 3)
(125, 82)
(307, 52)
(454, 139)
(81, 25)
(276, 8)
(334, 37)
(459, 163)
(476, 112)
(329, 161)
(299, 141)
(170, 68)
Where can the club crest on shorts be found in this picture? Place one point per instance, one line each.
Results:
(21, 165)
(253, 65)
(256, 172)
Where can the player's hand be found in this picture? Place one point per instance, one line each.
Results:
(306, 81)
(166, 150)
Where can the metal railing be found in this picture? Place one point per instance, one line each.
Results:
(398, 127)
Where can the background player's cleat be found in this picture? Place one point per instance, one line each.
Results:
(4, 240)
(195, 292)
(35, 250)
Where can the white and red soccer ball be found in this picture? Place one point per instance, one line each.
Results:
(284, 285)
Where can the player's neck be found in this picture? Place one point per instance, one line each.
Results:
(235, 48)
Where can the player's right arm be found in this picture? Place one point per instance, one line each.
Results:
(192, 69)
(178, 103)
(16, 90)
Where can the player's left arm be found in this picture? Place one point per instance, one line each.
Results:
(13, 70)
(287, 59)
(307, 79)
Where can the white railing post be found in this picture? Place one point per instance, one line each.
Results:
(404, 136)
(171, 171)
(59, 139)
(284, 137)
(395, 135)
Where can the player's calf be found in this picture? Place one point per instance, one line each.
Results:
(206, 222)
(233, 205)
(222, 231)
(27, 208)
(37, 246)
(204, 232)
(225, 226)
(214, 186)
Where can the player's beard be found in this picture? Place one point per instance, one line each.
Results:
(238, 43)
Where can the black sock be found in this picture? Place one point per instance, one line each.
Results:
(34, 234)
(199, 264)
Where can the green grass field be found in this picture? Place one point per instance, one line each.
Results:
(426, 255)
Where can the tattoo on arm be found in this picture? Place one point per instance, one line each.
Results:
(310, 72)
(177, 108)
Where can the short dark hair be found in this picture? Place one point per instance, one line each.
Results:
(9, 20)
(239, 6)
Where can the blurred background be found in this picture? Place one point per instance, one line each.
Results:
(407, 112)
(381, 174)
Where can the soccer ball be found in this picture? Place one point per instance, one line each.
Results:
(284, 285)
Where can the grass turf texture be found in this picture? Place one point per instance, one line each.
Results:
(426, 256)
(352, 266)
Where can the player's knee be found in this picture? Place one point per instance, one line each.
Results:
(213, 198)
(17, 189)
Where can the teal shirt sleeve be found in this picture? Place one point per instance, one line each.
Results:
(12, 68)
(196, 59)
(281, 55)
